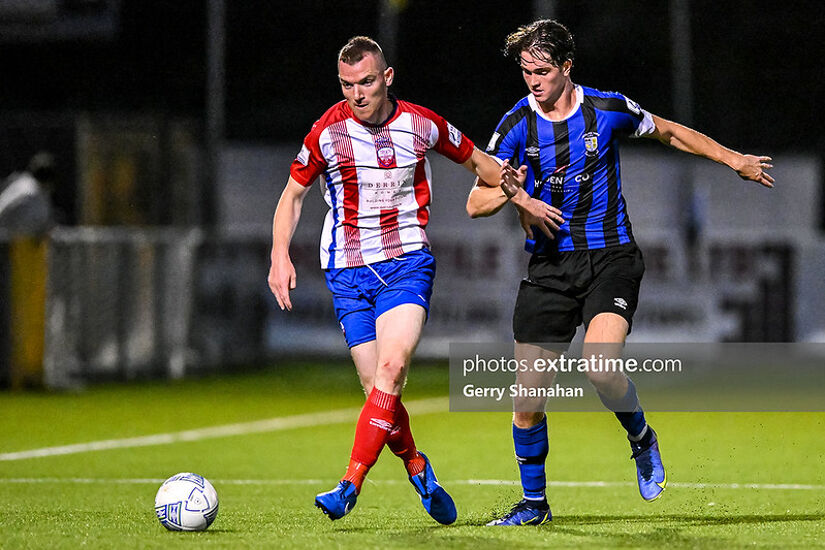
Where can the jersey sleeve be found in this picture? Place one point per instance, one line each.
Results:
(310, 163)
(505, 141)
(450, 142)
(633, 120)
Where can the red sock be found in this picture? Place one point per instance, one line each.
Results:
(371, 433)
(402, 444)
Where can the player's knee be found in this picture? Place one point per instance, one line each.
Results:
(391, 370)
(607, 382)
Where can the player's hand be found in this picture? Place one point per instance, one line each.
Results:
(282, 279)
(539, 214)
(512, 177)
(755, 168)
(534, 212)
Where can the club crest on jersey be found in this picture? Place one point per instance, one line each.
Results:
(591, 143)
(385, 152)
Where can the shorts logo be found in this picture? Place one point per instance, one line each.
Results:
(454, 135)
(385, 152)
(620, 302)
(303, 155)
(591, 143)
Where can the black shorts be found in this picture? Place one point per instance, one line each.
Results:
(566, 288)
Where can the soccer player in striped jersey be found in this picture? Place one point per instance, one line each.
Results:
(370, 151)
(563, 136)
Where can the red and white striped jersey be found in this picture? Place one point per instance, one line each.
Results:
(376, 180)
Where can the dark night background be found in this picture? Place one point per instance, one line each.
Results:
(756, 64)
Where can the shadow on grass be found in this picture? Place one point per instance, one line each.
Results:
(579, 531)
(687, 520)
(205, 533)
(565, 523)
(665, 529)
(673, 530)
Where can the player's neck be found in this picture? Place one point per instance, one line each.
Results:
(562, 106)
(383, 114)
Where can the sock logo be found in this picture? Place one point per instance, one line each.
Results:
(381, 424)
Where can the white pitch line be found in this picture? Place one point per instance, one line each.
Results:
(340, 416)
(499, 482)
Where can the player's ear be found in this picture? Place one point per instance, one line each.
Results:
(389, 73)
(566, 66)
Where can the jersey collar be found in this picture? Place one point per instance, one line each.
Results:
(579, 99)
(393, 114)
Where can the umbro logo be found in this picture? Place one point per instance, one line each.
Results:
(620, 302)
(381, 424)
(532, 151)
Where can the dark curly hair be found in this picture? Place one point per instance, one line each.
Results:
(546, 39)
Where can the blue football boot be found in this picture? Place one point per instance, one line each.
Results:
(434, 498)
(339, 502)
(649, 468)
(526, 512)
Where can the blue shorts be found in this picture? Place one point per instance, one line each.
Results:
(361, 294)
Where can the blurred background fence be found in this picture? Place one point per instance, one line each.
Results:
(173, 125)
(102, 303)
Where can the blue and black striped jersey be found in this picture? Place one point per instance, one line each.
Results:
(573, 164)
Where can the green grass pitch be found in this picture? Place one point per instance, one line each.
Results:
(735, 479)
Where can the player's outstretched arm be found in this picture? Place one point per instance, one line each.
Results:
(485, 167)
(491, 189)
(282, 276)
(749, 167)
(487, 201)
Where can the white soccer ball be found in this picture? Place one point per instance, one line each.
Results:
(186, 502)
